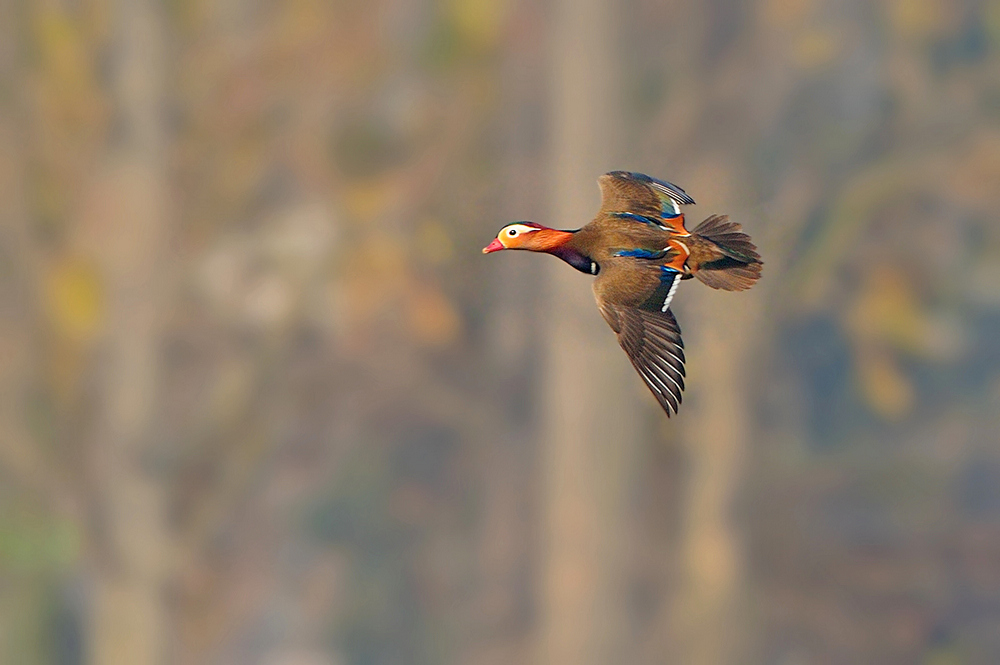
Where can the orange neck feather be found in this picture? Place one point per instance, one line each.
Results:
(558, 243)
(547, 240)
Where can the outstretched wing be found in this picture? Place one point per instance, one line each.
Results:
(639, 194)
(652, 340)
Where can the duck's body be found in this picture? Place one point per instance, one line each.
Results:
(640, 250)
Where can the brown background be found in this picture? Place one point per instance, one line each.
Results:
(262, 400)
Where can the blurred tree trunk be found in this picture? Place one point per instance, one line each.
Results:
(591, 416)
(128, 618)
(708, 625)
(509, 527)
(20, 456)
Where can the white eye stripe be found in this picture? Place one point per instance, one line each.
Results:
(517, 229)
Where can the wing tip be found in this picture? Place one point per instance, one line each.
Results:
(652, 341)
(670, 189)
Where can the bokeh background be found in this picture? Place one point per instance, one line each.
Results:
(264, 401)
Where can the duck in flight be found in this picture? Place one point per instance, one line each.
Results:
(640, 251)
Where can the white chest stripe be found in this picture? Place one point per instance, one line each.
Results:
(671, 292)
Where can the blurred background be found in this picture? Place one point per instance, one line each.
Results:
(263, 401)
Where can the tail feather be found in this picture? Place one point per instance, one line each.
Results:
(725, 257)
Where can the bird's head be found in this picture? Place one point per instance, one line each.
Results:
(525, 235)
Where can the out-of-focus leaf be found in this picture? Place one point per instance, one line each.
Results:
(887, 310)
(435, 243)
(855, 211)
(366, 147)
(365, 200)
(269, 300)
(34, 542)
(48, 200)
(302, 21)
(74, 299)
(991, 15)
(68, 93)
(478, 22)
(949, 654)
(981, 286)
(62, 48)
(815, 48)
(375, 281)
(786, 13)
(918, 18)
(888, 319)
(887, 390)
(975, 171)
(433, 319)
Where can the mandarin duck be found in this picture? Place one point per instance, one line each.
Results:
(640, 251)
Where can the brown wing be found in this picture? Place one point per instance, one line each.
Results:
(652, 340)
(623, 191)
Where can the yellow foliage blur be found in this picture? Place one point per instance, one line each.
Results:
(887, 390)
(366, 200)
(479, 22)
(433, 319)
(887, 311)
(258, 375)
(918, 18)
(62, 49)
(815, 48)
(434, 242)
(787, 13)
(74, 299)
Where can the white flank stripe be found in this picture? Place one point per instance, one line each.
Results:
(671, 292)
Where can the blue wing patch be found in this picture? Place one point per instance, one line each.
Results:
(642, 253)
(642, 219)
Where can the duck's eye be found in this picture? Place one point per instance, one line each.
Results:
(512, 232)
